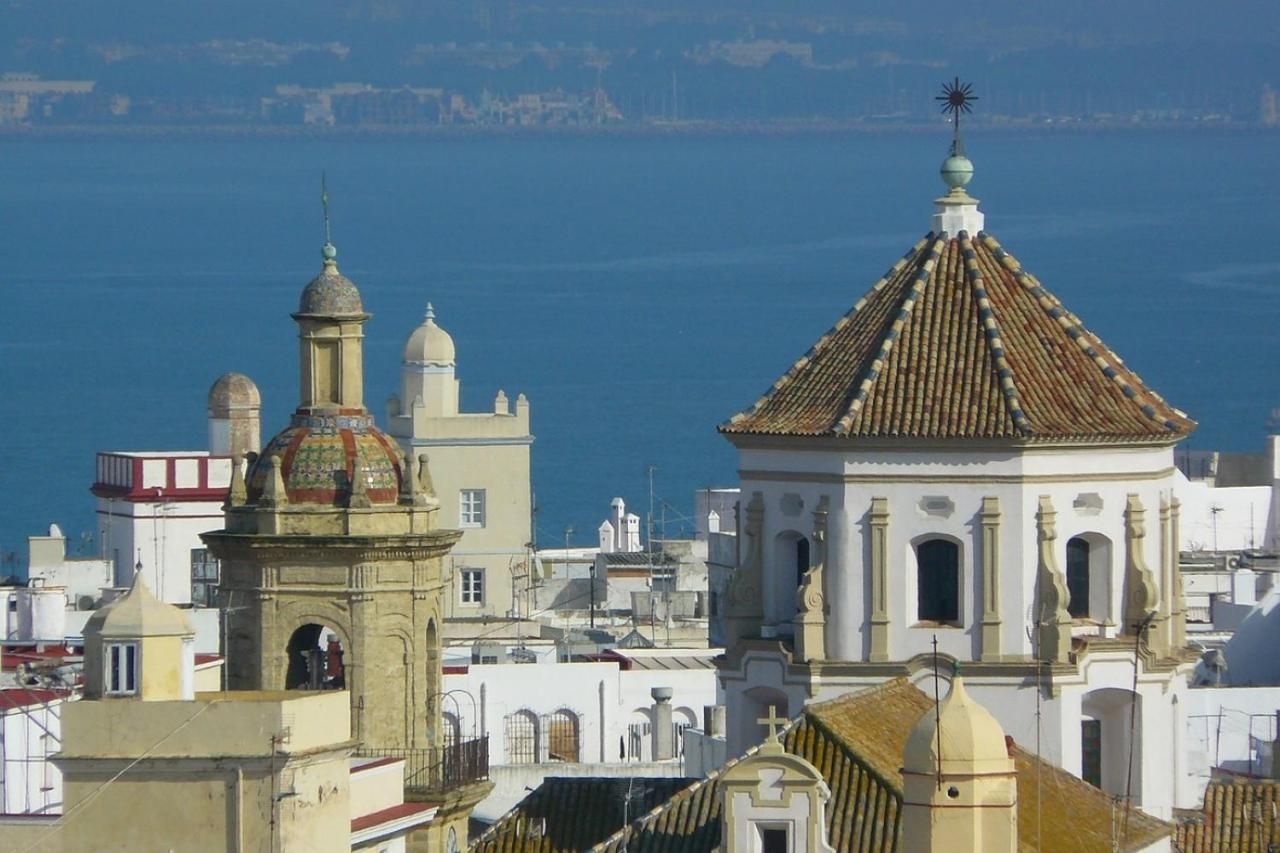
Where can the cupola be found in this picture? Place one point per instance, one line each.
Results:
(138, 647)
(427, 377)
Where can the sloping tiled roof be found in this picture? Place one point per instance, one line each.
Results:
(568, 815)
(958, 341)
(1238, 816)
(857, 743)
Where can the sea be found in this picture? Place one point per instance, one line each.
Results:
(639, 290)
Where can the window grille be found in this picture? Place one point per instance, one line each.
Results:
(562, 736)
(521, 737)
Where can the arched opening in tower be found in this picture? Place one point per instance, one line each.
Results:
(317, 660)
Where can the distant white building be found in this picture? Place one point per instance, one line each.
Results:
(153, 506)
(1230, 501)
(620, 532)
(623, 714)
(83, 578)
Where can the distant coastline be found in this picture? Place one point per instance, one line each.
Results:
(619, 130)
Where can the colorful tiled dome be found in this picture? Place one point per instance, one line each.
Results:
(319, 456)
(330, 293)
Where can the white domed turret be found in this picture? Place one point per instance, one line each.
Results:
(427, 370)
(429, 344)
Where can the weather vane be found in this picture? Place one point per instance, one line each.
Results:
(956, 98)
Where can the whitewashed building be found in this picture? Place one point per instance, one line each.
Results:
(960, 460)
(598, 718)
(30, 731)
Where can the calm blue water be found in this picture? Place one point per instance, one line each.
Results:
(639, 291)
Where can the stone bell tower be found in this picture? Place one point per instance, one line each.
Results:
(331, 556)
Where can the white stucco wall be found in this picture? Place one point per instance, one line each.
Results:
(1088, 487)
(161, 535)
(29, 783)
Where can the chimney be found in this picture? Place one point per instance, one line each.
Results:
(663, 736)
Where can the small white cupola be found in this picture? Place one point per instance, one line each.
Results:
(138, 647)
(427, 370)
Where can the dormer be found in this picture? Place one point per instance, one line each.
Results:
(773, 801)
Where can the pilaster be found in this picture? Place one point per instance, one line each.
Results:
(745, 610)
(990, 578)
(879, 518)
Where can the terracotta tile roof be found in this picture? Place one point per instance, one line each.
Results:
(573, 814)
(1237, 816)
(856, 742)
(958, 341)
(396, 812)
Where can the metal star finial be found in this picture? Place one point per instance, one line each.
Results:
(956, 99)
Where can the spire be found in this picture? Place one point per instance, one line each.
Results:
(957, 210)
(329, 251)
(430, 316)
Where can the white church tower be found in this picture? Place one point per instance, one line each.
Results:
(960, 458)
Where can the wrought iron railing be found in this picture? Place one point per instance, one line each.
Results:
(442, 768)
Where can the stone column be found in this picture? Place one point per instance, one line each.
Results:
(713, 720)
(879, 579)
(663, 739)
(991, 578)
(1179, 603)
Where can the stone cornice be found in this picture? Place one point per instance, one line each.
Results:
(745, 475)
(764, 441)
(344, 549)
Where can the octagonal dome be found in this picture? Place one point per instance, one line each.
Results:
(319, 456)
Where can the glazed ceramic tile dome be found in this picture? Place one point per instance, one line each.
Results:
(319, 456)
(330, 293)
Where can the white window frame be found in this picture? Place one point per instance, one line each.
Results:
(121, 659)
(471, 508)
(471, 587)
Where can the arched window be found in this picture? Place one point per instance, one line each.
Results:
(1078, 578)
(450, 729)
(802, 559)
(938, 581)
(562, 736)
(521, 735)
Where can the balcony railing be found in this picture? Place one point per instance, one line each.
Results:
(440, 769)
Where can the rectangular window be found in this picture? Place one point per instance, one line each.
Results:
(204, 578)
(774, 839)
(473, 586)
(122, 669)
(471, 508)
(1091, 752)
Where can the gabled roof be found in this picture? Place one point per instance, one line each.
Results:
(957, 340)
(857, 743)
(1237, 816)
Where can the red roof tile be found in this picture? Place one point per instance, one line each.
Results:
(958, 341)
(389, 814)
(22, 697)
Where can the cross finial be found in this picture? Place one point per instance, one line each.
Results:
(774, 722)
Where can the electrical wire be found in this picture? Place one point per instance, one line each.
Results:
(61, 823)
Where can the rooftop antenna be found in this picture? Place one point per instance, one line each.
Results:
(956, 99)
(937, 710)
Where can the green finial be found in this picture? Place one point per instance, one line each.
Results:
(329, 251)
